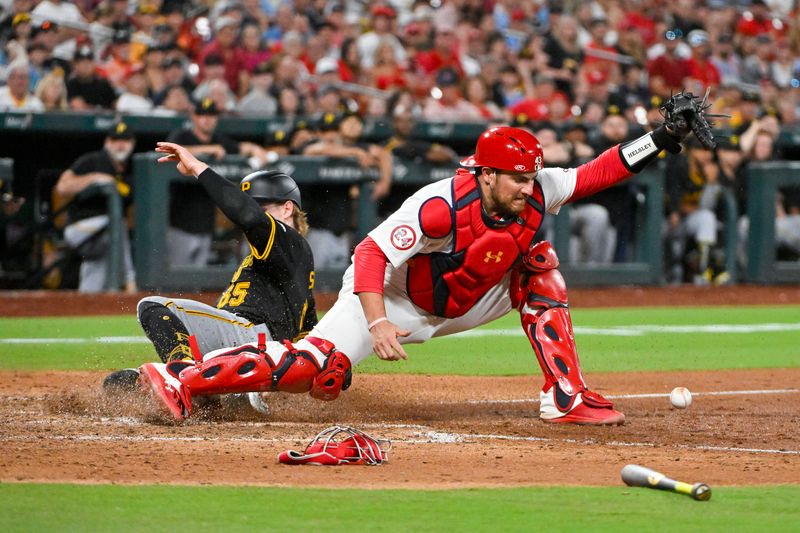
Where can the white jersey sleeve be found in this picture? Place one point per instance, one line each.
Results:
(558, 185)
(400, 236)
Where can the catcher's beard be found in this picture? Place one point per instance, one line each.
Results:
(501, 207)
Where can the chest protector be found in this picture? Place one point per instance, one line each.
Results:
(484, 249)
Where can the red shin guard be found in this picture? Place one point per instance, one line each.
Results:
(540, 295)
(244, 369)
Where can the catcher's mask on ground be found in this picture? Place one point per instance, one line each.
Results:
(340, 445)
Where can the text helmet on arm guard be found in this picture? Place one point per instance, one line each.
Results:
(507, 148)
(271, 186)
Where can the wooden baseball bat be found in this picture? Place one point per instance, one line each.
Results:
(640, 476)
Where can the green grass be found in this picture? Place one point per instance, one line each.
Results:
(487, 355)
(32, 507)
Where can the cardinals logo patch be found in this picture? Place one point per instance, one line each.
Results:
(403, 237)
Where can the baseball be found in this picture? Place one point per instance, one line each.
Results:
(680, 397)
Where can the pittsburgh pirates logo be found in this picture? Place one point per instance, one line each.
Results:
(490, 256)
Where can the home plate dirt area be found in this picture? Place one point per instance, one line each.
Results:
(447, 432)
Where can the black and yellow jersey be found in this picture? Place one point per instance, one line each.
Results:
(274, 283)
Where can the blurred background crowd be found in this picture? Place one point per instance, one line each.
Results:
(582, 75)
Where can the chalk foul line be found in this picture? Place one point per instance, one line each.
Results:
(615, 331)
(636, 396)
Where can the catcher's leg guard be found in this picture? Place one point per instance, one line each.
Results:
(251, 368)
(165, 330)
(541, 297)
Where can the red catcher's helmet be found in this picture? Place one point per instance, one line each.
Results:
(507, 148)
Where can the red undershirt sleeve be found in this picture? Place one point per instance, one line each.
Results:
(600, 173)
(370, 267)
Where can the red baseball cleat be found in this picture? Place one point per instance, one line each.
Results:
(587, 408)
(167, 391)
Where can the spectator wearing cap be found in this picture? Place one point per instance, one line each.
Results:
(446, 102)
(154, 56)
(16, 12)
(144, 20)
(189, 235)
(727, 60)
(119, 63)
(64, 13)
(16, 95)
(174, 73)
(701, 68)
(86, 89)
(619, 201)
(633, 91)
(259, 102)
(178, 29)
(87, 228)
(134, 99)
(668, 70)
(329, 100)
(597, 48)
(758, 66)
(215, 85)
(15, 33)
(756, 20)
(383, 18)
(52, 91)
(404, 146)
(223, 45)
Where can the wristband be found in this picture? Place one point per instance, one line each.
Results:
(376, 322)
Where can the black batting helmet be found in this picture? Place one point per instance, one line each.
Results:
(271, 186)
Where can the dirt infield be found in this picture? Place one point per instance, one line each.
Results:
(447, 431)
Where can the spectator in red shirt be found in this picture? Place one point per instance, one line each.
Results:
(755, 21)
(700, 66)
(598, 28)
(224, 45)
(537, 107)
(668, 70)
(443, 54)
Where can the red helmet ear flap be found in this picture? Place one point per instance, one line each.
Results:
(507, 148)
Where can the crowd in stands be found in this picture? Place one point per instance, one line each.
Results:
(583, 75)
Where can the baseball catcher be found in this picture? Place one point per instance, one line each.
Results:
(459, 253)
(271, 291)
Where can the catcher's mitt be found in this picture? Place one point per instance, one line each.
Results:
(340, 445)
(684, 113)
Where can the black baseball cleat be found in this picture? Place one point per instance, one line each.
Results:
(125, 380)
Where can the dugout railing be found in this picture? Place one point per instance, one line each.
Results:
(763, 182)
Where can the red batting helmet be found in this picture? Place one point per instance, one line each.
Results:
(507, 148)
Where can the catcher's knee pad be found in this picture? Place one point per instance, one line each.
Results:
(165, 330)
(542, 301)
(249, 368)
